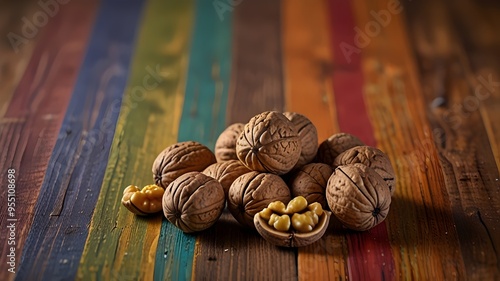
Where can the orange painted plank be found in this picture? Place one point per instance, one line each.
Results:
(308, 90)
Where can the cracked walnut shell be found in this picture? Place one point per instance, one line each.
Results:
(269, 143)
(225, 146)
(358, 196)
(252, 192)
(193, 202)
(181, 158)
(371, 157)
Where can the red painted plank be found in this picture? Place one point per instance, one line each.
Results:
(370, 256)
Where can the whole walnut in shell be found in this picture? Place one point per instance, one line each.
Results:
(358, 196)
(330, 148)
(252, 192)
(225, 146)
(269, 143)
(226, 172)
(371, 157)
(308, 136)
(193, 202)
(180, 158)
(310, 181)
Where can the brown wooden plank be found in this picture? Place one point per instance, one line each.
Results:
(445, 51)
(228, 251)
(478, 25)
(421, 231)
(257, 72)
(13, 60)
(31, 124)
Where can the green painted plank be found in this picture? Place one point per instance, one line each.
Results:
(120, 245)
(203, 119)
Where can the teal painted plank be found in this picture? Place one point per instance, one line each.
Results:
(203, 118)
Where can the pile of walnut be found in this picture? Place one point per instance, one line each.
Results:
(248, 171)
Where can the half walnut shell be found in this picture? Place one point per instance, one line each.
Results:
(291, 238)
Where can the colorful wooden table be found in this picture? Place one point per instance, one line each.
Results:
(91, 91)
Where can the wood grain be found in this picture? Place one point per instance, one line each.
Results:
(308, 66)
(468, 163)
(369, 253)
(257, 74)
(203, 119)
(32, 121)
(120, 245)
(76, 168)
(13, 61)
(227, 251)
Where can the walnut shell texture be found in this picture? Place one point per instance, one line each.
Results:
(371, 157)
(225, 146)
(252, 192)
(226, 172)
(330, 148)
(310, 181)
(292, 238)
(269, 143)
(308, 136)
(193, 202)
(181, 158)
(358, 196)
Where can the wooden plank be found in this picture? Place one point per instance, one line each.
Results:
(468, 163)
(369, 253)
(478, 26)
(421, 229)
(227, 250)
(120, 245)
(202, 120)
(76, 168)
(31, 124)
(257, 62)
(13, 61)
(308, 90)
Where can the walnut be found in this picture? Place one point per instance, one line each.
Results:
(330, 148)
(225, 146)
(308, 222)
(193, 202)
(358, 196)
(179, 159)
(269, 143)
(252, 192)
(310, 181)
(371, 157)
(308, 136)
(226, 172)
